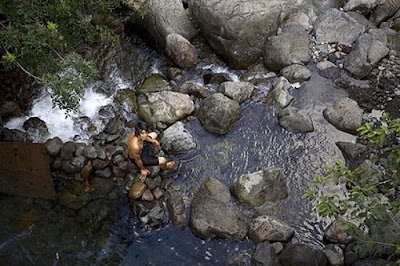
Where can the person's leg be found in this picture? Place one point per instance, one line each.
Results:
(162, 161)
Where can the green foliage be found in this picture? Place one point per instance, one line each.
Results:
(38, 36)
(368, 189)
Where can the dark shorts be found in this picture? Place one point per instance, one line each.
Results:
(147, 158)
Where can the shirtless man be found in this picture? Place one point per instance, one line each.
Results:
(138, 147)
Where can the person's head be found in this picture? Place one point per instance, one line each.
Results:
(141, 129)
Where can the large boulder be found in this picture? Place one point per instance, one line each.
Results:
(354, 153)
(288, 48)
(369, 50)
(280, 93)
(238, 29)
(214, 215)
(238, 91)
(162, 18)
(337, 27)
(218, 113)
(181, 51)
(265, 228)
(37, 128)
(256, 188)
(177, 139)
(295, 120)
(345, 115)
(53, 146)
(166, 106)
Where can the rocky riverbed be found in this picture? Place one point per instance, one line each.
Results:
(246, 142)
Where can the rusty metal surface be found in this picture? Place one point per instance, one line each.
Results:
(25, 170)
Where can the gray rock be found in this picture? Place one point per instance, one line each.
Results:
(214, 215)
(126, 100)
(177, 139)
(216, 78)
(166, 107)
(72, 201)
(384, 10)
(163, 18)
(296, 73)
(265, 228)
(90, 152)
(53, 146)
(286, 49)
(259, 187)
(154, 83)
(196, 90)
(345, 115)
(74, 165)
(361, 6)
(158, 193)
(321, 6)
(300, 21)
(177, 210)
(354, 153)
(115, 125)
(37, 128)
(295, 120)
(328, 70)
(280, 93)
(336, 233)
(334, 254)
(14, 135)
(335, 26)
(237, 91)
(298, 254)
(264, 255)
(147, 195)
(104, 173)
(369, 50)
(218, 113)
(350, 257)
(181, 51)
(238, 29)
(116, 150)
(150, 183)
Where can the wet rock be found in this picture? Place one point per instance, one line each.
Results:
(345, 115)
(334, 254)
(156, 214)
(181, 51)
(368, 51)
(174, 73)
(296, 73)
(119, 158)
(158, 193)
(117, 172)
(104, 173)
(216, 78)
(336, 233)
(350, 257)
(68, 150)
(264, 255)
(102, 188)
(321, 258)
(53, 146)
(177, 210)
(37, 128)
(57, 163)
(218, 113)
(278, 247)
(286, 49)
(86, 171)
(199, 91)
(354, 153)
(237, 91)
(154, 83)
(214, 215)
(115, 125)
(99, 164)
(328, 70)
(74, 165)
(163, 18)
(256, 188)
(137, 190)
(265, 228)
(280, 93)
(177, 139)
(147, 195)
(298, 254)
(150, 183)
(126, 100)
(72, 201)
(154, 171)
(166, 107)
(237, 29)
(14, 135)
(295, 120)
(9, 109)
(335, 26)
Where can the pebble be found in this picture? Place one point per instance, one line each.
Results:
(389, 99)
(341, 66)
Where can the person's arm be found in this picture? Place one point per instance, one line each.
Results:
(153, 141)
(143, 170)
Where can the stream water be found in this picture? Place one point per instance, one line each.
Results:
(255, 142)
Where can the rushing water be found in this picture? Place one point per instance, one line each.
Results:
(255, 142)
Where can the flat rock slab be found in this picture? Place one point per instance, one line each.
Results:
(25, 170)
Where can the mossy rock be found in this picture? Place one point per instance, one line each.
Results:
(153, 83)
(126, 99)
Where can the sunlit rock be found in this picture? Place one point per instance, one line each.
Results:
(265, 228)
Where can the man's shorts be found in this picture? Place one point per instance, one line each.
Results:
(147, 158)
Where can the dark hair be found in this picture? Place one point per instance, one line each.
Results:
(140, 127)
